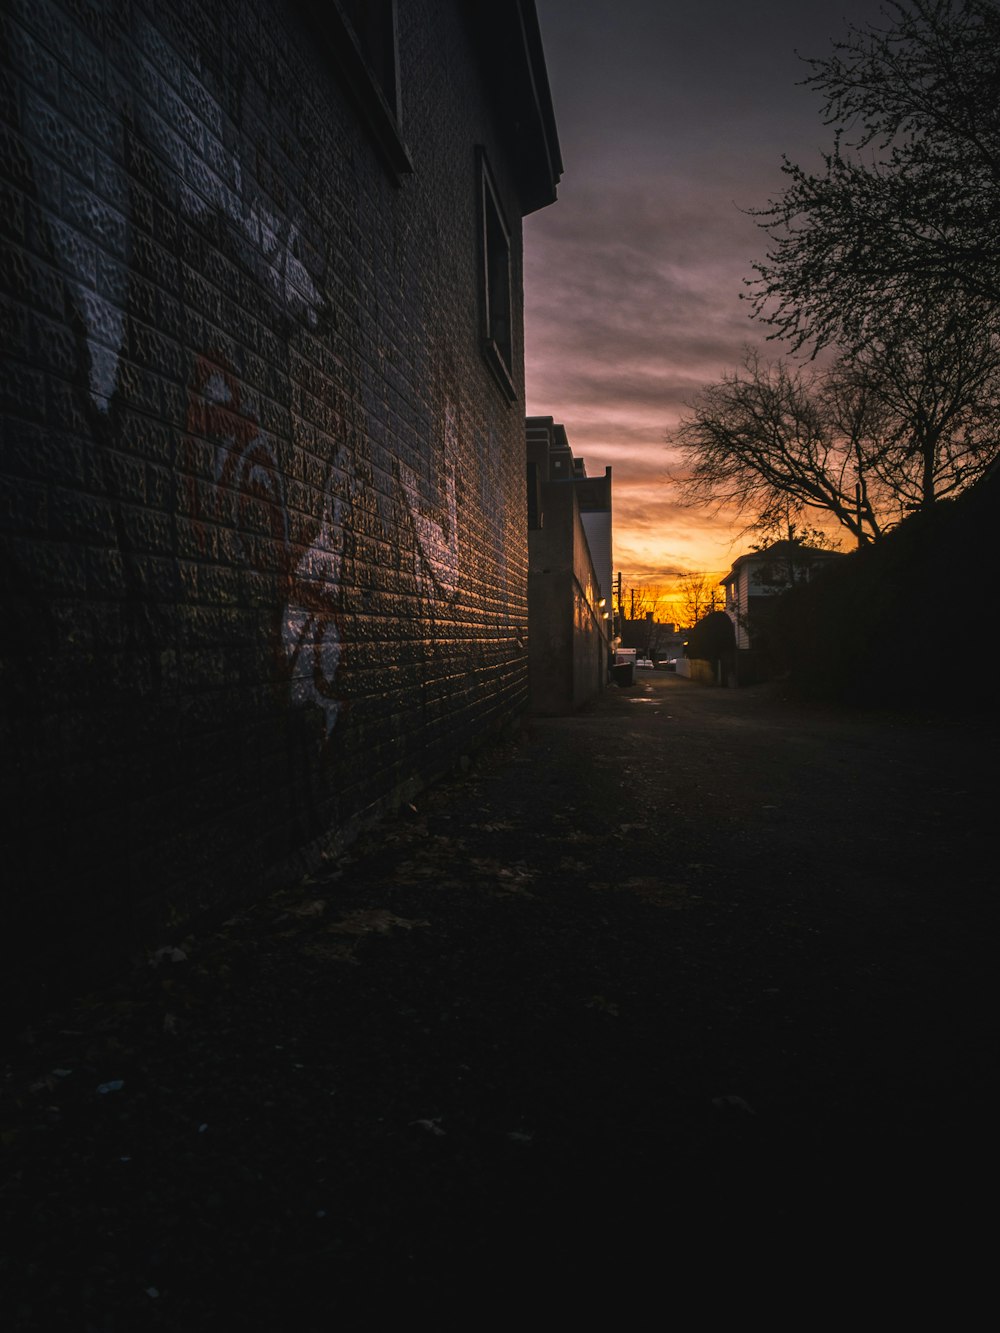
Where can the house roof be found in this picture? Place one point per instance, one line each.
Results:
(780, 551)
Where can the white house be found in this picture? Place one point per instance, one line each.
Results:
(760, 575)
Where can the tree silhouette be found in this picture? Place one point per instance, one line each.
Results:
(907, 207)
(907, 419)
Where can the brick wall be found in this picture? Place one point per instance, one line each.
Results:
(263, 521)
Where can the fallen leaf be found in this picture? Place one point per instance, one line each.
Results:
(732, 1103)
(167, 954)
(432, 1126)
(375, 921)
(314, 908)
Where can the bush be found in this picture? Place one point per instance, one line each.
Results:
(713, 637)
(856, 633)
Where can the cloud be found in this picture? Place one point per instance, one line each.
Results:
(630, 304)
(673, 120)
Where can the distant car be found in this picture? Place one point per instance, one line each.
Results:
(644, 662)
(667, 664)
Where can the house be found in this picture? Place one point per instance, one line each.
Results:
(265, 554)
(569, 572)
(754, 579)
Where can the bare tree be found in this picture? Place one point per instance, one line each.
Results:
(700, 594)
(931, 383)
(638, 600)
(911, 416)
(763, 443)
(907, 205)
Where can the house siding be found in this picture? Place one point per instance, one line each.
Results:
(754, 580)
(264, 543)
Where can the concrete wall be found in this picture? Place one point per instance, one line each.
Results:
(264, 550)
(695, 668)
(568, 650)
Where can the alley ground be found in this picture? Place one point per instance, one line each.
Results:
(694, 991)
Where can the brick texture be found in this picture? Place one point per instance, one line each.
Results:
(263, 516)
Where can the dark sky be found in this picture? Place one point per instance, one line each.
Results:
(672, 117)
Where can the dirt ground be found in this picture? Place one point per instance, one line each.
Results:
(686, 1000)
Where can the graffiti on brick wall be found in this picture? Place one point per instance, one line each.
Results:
(167, 139)
(215, 178)
(239, 489)
(91, 236)
(437, 541)
(214, 175)
(244, 466)
(309, 634)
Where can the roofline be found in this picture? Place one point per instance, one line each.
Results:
(510, 44)
(541, 95)
(774, 551)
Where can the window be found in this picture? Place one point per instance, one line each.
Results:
(361, 37)
(374, 25)
(495, 286)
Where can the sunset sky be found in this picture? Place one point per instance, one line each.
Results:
(672, 115)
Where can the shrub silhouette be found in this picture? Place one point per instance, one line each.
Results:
(858, 633)
(713, 637)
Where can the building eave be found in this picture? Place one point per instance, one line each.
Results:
(510, 46)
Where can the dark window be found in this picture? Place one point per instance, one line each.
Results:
(374, 24)
(495, 282)
(360, 35)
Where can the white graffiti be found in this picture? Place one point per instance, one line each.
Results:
(212, 178)
(248, 496)
(245, 462)
(309, 633)
(105, 325)
(286, 275)
(438, 542)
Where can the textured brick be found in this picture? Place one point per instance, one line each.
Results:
(16, 155)
(52, 346)
(28, 57)
(64, 246)
(89, 213)
(30, 280)
(47, 127)
(48, 24)
(99, 119)
(255, 466)
(22, 390)
(12, 212)
(15, 321)
(88, 57)
(82, 518)
(24, 508)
